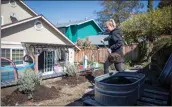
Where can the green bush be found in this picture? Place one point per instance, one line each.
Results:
(71, 69)
(101, 66)
(162, 43)
(28, 81)
(148, 24)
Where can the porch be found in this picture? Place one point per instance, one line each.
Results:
(49, 59)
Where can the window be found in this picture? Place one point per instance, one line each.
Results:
(5, 53)
(2, 20)
(13, 54)
(17, 56)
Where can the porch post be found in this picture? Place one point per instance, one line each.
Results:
(36, 62)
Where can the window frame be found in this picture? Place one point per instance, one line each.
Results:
(13, 48)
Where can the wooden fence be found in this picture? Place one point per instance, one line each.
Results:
(130, 52)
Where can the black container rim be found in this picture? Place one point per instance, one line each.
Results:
(121, 85)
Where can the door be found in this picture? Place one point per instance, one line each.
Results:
(46, 62)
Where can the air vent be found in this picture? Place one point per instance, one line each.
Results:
(12, 3)
(38, 25)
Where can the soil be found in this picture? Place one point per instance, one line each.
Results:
(71, 80)
(67, 91)
(41, 93)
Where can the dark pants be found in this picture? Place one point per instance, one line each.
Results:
(117, 66)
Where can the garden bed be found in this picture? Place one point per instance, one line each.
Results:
(60, 92)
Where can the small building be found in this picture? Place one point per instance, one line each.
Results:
(79, 29)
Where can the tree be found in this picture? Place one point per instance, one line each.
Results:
(150, 5)
(119, 10)
(150, 8)
(164, 3)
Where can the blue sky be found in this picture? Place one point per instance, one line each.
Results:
(63, 11)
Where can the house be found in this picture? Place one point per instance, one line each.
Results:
(24, 32)
(79, 29)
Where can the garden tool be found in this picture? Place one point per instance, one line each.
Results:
(109, 51)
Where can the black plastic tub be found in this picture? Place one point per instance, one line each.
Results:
(121, 89)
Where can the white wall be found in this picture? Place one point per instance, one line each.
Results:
(19, 10)
(26, 32)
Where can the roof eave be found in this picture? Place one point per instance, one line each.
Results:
(28, 8)
(18, 23)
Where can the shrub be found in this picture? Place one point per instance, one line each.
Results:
(85, 44)
(101, 66)
(28, 81)
(71, 69)
(162, 44)
(148, 24)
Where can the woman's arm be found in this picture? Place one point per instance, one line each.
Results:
(116, 45)
(106, 38)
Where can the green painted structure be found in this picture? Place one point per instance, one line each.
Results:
(80, 30)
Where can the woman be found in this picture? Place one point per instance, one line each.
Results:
(115, 44)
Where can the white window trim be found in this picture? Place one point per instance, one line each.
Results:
(11, 54)
(2, 20)
(13, 43)
(38, 29)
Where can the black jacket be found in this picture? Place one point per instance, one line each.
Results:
(115, 41)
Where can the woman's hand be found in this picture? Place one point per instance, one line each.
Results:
(109, 50)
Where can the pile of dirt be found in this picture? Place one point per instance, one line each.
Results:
(41, 93)
(78, 79)
(16, 97)
(71, 80)
(98, 73)
(45, 93)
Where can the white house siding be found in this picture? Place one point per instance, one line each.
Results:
(19, 10)
(27, 33)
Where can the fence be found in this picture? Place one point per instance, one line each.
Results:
(130, 52)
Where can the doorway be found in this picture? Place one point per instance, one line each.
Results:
(46, 62)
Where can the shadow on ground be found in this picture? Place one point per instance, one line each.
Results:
(76, 103)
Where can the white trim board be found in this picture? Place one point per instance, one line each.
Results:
(10, 43)
(21, 22)
(28, 7)
(2, 20)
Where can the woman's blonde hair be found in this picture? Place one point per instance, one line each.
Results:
(111, 22)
